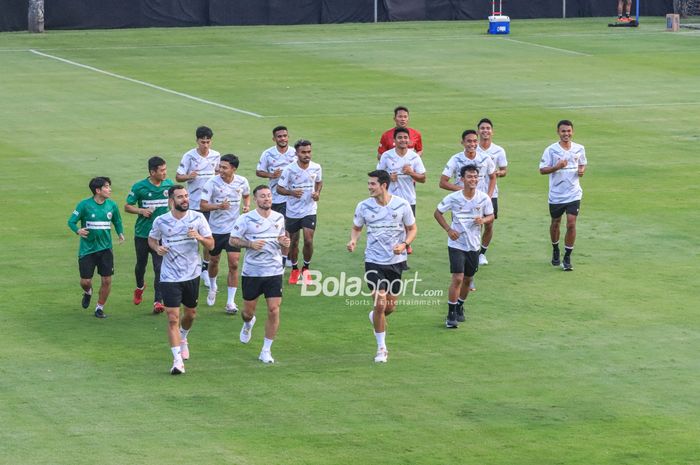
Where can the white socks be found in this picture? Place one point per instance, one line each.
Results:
(231, 295)
(267, 344)
(381, 344)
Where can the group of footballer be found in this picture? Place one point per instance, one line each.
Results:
(211, 206)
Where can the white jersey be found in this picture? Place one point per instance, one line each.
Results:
(392, 163)
(564, 186)
(463, 213)
(270, 161)
(215, 191)
(386, 228)
(483, 163)
(253, 227)
(294, 177)
(182, 262)
(206, 169)
(498, 156)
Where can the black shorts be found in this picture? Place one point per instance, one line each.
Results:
(293, 225)
(280, 208)
(221, 243)
(206, 214)
(494, 201)
(183, 292)
(255, 286)
(103, 260)
(556, 210)
(463, 262)
(384, 277)
(413, 209)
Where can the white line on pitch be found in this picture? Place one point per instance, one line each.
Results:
(548, 47)
(625, 105)
(147, 84)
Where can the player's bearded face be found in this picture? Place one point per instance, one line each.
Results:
(263, 199)
(181, 202)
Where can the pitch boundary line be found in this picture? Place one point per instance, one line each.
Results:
(624, 105)
(548, 47)
(146, 84)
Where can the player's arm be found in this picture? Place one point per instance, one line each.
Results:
(73, 221)
(181, 175)
(492, 184)
(447, 185)
(355, 233)
(205, 206)
(546, 166)
(316, 194)
(502, 171)
(243, 243)
(417, 177)
(440, 218)
(418, 148)
(411, 232)
(117, 221)
(246, 203)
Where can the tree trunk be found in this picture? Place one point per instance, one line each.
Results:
(36, 16)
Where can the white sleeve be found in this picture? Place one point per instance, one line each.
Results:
(184, 167)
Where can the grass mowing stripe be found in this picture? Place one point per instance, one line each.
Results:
(147, 84)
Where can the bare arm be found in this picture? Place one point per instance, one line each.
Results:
(454, 235)
(447, 185)
(354, 236)
(492, 184)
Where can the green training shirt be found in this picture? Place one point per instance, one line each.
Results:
(98, 220)
(145, 195)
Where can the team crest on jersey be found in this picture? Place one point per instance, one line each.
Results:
(92, 216)
(165, 193)
(109, 215)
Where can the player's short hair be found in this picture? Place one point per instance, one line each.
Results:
(466, 132)
(204, 132)
(278, 128)
(466, 168)
(173, 188)
(231, 159)
(565, 122)
(398, 131)
(154, 163)
(259, 188)
(400, 108)
(301, 143)
(98, 183)
(484, 120)
(382, 176)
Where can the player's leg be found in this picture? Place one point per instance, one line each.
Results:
(86, 269)
(293, 230)
(142, 249)
(381, 300)
(172, 298)
(232, 280)
(273, 297)
(308, 250)
(157, 262)
(190, 296)
(105, 268)
(570, 237)
(556, 211)
(220, 242)
(488, 234)
(251, 290)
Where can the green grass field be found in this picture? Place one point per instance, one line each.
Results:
(598, 366)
